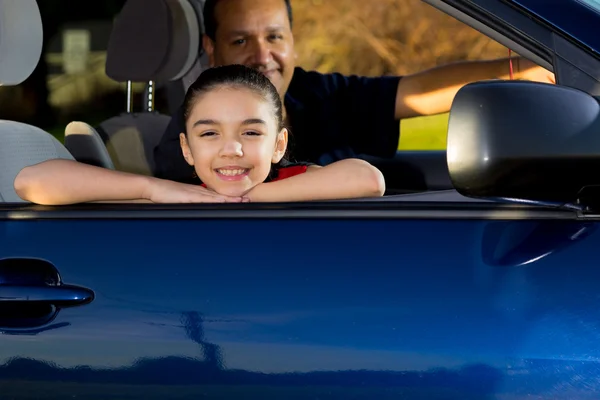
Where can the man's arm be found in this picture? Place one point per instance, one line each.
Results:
(432, 91)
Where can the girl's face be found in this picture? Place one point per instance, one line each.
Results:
(232, 140)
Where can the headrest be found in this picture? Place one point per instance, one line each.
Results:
(21, 39)
(22, 145)
(194, 30)
(154, 40)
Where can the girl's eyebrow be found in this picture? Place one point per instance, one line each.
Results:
(205, 122)
(249, 121)
(252, 121)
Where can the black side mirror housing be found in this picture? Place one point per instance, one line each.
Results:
(526, 141)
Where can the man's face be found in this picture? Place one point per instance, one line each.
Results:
(255, 33)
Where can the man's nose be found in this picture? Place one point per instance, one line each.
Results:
(261, 53)
(231, 148)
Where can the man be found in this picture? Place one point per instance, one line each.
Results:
(330, 116)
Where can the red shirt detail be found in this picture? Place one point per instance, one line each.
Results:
(286, 172)
(290, 171)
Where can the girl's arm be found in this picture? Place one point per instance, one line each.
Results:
(56, 182)
(350, 178)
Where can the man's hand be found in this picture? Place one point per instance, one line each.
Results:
(165, 191)
(528, 70)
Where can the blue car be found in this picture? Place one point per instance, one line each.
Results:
(483, 285)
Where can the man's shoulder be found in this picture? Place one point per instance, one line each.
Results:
(314, 79)
(310, 86)
(322, 84)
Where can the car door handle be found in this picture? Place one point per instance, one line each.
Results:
(60, 296)
(32, 293)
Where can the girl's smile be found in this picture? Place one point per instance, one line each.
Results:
(232, 173)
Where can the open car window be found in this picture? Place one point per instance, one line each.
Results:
(396, 37)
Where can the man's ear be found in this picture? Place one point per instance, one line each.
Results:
(185, 149)
(280, 146)
(209, 46)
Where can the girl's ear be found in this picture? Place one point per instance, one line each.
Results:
(185, 149)
(280, 146)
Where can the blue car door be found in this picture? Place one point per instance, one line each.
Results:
(189, 305)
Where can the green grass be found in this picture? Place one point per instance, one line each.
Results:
(424, 133)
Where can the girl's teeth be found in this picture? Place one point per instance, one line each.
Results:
(231, 172)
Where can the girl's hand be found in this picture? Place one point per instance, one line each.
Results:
(165, 191)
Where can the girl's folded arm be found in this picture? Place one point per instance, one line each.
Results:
(58, 181)
(350, 178)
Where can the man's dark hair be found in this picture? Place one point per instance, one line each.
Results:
(210, 19)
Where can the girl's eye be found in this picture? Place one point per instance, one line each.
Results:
(252, 133)
(207, 134)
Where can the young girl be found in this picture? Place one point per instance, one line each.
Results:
(235, 140)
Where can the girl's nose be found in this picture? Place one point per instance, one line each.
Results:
(232, 148)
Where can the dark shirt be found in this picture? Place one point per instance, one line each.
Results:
(331, 117)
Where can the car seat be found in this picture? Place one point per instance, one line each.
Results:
(21, 145)
(152, 41)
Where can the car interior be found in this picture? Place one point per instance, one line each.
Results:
(20, 50)
(155, 42)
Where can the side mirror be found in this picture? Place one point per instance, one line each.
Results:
(525, 141)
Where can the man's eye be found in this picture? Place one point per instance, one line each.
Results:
(275, 37)
(239, 42)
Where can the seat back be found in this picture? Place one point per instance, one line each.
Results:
(131, 139)
(87, 145)
(21, 145)
(153, 41)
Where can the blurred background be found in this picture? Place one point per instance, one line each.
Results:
(379, 37)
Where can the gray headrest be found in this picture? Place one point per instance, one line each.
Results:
(154, 40)
(22, 145)
(193, 28)
(21, 39)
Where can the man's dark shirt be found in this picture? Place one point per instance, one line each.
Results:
(330, 116)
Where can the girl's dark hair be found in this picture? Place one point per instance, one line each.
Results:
(236, 76)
